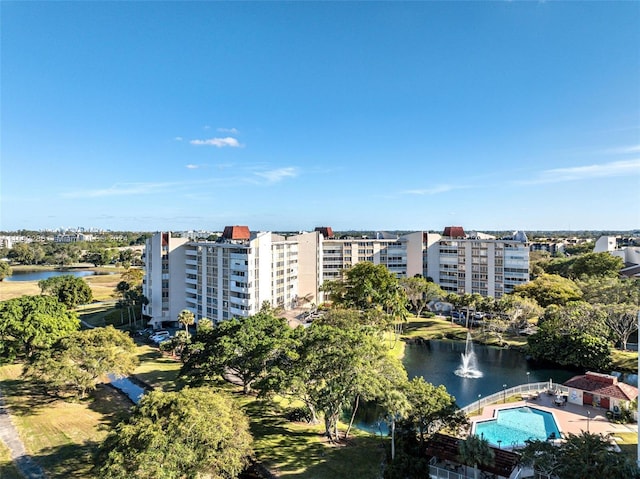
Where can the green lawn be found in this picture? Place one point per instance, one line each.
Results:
(60, 435)
(156, 369)
(302, 451)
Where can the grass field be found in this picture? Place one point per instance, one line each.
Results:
(156, 369)
(60, 435)
(15, 289)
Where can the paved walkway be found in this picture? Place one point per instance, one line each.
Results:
(9, 435)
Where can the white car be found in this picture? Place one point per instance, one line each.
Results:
(160, 336)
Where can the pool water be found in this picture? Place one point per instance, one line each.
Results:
(512, 427)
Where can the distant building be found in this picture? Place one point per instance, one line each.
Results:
(630, 255)
(72, 237)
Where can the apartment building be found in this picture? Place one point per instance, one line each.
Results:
(480, 263)
(221, 279)
(236, 274)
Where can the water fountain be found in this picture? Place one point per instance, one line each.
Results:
(469, 365)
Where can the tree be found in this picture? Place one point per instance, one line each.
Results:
(396, 407)
(243, 347)
(367, 286)
(576, 317)
(5, 270)
(608, 290)
(177, 344)
(580, 456)
(550, 289)
(432, 408)
(542, 456)
(622, 319)
(597, 264)
(129, 291)
(195, 433)
(70, 290)
(333, 367)
(99, 256)
(420, 292)
(186, 318)
(26, 253)
(77, 362)
(571, 349)
(33, 322)
(519, 311)
(475, 451)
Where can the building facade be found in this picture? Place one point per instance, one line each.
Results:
(236, 274)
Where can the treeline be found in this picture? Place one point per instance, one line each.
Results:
(64, 254)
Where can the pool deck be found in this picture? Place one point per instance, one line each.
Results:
(570, 418)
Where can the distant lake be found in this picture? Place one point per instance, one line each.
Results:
(38, 275)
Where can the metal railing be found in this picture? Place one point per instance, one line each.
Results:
(500, 396)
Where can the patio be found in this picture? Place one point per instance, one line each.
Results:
(571, 418)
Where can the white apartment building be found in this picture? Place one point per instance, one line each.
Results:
(236, 274)
(479, 263)
(219, 280)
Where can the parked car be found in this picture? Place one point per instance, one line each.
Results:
(457, 315)
(146, 332)
(160, 336)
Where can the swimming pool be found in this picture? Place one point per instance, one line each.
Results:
(512, 427)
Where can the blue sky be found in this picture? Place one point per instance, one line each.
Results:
(279, 115)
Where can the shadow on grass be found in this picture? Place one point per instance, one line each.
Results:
(9, 471)
(68, 461)
(33, 396)
(111, 404)
(301, 450)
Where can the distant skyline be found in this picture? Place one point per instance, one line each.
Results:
(147, 116)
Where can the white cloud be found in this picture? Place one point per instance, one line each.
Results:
(121, 189)
(192, 167)
(178, 138)
(273, 176)
(431, 191)
(231, 131)
(577, 173)
(623, 150)
(218, 142)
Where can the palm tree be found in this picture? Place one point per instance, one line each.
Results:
(591, 455)
(397, 406)
(187, 318)
(475, 451)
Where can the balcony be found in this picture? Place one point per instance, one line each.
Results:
(238, 289)
(191, 262)
(191, 290)
(238, 312)
(239, 301)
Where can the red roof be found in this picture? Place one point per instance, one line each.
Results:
(236, 233)
(603, 385)
(326, 231)
(454, 232)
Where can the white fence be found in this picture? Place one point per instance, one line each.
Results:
(500, 396)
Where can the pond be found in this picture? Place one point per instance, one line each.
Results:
(38, 275)
(436, 361)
